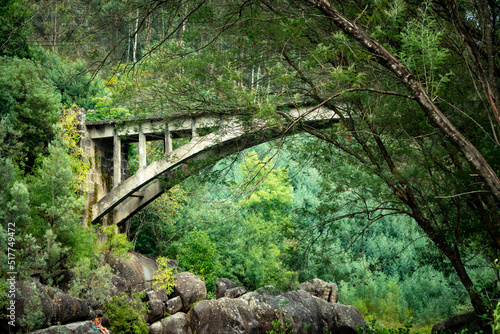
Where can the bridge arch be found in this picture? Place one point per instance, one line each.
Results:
(226, 136)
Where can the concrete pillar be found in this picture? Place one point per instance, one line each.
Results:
(168, 140)
(142, 149)
(194, 135)
(117, 160)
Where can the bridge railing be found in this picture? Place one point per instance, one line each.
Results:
(132, 110)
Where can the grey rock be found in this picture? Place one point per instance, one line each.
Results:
(321, 289)
(349, 320)
(255, 312)
(82, 327)
(66, 308)
(224, 284)
(174, 305)
(302, 311)
(156, 310)
(133, 274)
(55, 305)
(156, 328)
(160, 294)
(176, 324)
(223, 315)
(190, 288)
(235, 292)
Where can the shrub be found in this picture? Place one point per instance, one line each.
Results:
(33, 317)
(91, 283)
(164, 277)
(199, 255)
(116, 242)
(126, 314)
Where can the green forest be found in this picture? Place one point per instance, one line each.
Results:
(397, 202)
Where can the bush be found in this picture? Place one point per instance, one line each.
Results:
(198, 255)
(91, 283)
(116, 242)
(164, 277)
(33, 317)
(126, 314)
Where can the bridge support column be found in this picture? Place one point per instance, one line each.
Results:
(168, 140)
(194, 134)
(142, 149)
(117, 160)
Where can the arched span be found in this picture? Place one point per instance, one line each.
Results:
(187, 160)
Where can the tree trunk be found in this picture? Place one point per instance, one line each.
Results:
(136, 34)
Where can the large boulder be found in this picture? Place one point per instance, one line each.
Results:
(223, 284)
(160, 294)
(190, 288)
(66, 308)
(349, 320)
(134, 273)
(321, 289)
(157, 307)
(176, 324)
(235, 292)
(156, 310)
(224, 315)
(256, 311)
(37, 303)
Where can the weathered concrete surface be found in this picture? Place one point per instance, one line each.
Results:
(147, 174)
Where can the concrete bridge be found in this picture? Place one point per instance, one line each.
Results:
(113, 196)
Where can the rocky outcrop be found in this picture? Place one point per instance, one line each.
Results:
(227, 288)
(190, 288)
(321, 289)
(313, 309)
(255, 312)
